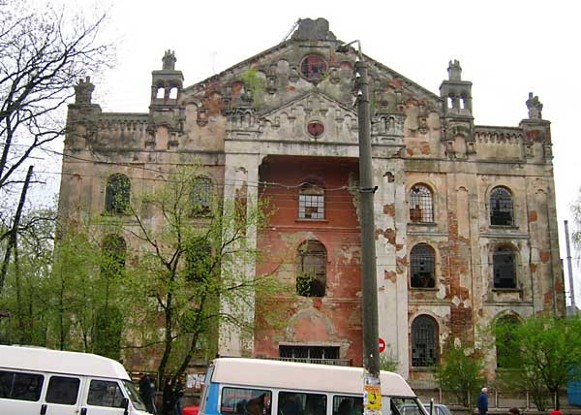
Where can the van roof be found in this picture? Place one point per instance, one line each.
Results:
(303, 376)
(41, 359)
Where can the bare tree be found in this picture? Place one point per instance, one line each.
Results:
(43, 53)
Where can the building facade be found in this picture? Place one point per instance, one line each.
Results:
(465, 217)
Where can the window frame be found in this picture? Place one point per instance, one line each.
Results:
(311, 204)
(313, 67)
(24, 380)
(54, 394)
(428, 350)
(239, 398)
(497, 268)
(502, 362)
(501, 206)
(421, 201)
(311, 276)
(114, 255)
(116, 398)
(429, 256)
(202, 196)
(118, 194)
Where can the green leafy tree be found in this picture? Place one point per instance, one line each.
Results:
(68, 298)
(188, 265)
(24, 298)
(460, 373)
(388, 361)
(544, 352)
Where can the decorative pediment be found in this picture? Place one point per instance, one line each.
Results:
(312, 117)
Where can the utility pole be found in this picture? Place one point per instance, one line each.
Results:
(371, 381)
(573, 308)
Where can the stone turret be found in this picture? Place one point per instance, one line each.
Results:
(166, 91)
(456, 93)
(458, 132)
(167, 84)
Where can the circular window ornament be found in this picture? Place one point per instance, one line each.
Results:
(315, 129)
(313, 67)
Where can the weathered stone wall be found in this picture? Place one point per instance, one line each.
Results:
(288, 115)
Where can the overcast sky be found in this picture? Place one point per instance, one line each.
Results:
(506, 48)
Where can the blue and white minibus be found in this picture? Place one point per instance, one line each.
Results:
(240, 386)
(36, 380)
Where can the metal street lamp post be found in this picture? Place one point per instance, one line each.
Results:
(372, 384)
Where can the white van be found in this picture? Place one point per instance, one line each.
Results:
(36, 380)
(240, 386)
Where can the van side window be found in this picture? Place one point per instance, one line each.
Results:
(20, 386)
(238, 401)
(104, 393)
(63, 390)
(294, 403)
(347, 405)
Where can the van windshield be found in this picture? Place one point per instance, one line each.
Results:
(407, 406)
(134, 395)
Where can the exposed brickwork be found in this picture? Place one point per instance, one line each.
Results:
(251, 137)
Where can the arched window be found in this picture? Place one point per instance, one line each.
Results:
(424, 342)
(501, 213)
(198, 260)
(311, 269)
(117, 194)
(504, 267)
(201, 196)
(421, 204)
(422, 266)
(311, 202)
(504, 334)
(114, 253)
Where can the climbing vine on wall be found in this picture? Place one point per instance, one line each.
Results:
(255, 85)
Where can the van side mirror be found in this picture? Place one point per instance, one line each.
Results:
(125, 406)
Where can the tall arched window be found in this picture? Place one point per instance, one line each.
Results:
(421, 204)
(117, 194)
(114, 253)
(201, 196)
(504, 267)
(311, 269)
(504, 333)
(422, 266)
(311, 202)
(501, 212)
(424, 342)
(198, 260)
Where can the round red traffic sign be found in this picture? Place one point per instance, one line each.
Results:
(381, 345)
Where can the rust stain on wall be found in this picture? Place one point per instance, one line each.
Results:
(389, 210)
(545, 256)
(401, 264)
(533, 216)
(425, 149)
(389, 234)
(390, 276)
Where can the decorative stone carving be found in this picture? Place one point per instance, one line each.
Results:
(535, 107)
(83, 91)
(169, 60)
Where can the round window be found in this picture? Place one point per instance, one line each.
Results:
(313, 67)
(315, 128)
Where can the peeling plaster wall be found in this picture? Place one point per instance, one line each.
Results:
(248, 128)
